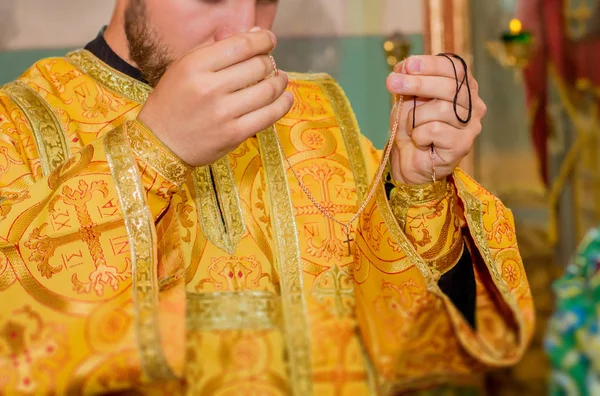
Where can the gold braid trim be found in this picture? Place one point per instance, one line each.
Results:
(350, 132)
(449, 260)
(243, 310)
(142, 243)
(289, 265)
(50, 137)
(404, 196)
(155, 154)
(109, 77)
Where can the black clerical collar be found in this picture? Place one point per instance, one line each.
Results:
(100, 48)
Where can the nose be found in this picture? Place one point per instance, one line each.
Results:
(239, 17)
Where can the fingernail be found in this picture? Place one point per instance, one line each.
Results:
(414, 65)
(398, 82)
(273, 37)
(256, 29)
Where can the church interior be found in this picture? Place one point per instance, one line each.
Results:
(538, 67)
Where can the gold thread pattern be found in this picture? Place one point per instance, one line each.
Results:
(350, 132)
(155, 154)
(431, 275)
(142, 240)
(109, 77)
(229, 201)
(40, 292)
(403, 197)
(474, 216)
(7, 278)
(288, 258)
(449, 260)
(242, 310)
(47, 129)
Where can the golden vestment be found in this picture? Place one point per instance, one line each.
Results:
(123, 268)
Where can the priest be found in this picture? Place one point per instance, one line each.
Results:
(178, 217)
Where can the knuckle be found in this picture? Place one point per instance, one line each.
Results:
(266, 65)
(464, 150)
(446, 107)
(419, 136)
(267, 40)
(205, 89)
(271, 90)
(436, 128)
(418, 83)
(221, 113)
(483, 106)
(243, 46)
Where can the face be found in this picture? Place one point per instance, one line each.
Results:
(160, 32)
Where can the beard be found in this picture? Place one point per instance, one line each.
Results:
(145, 49)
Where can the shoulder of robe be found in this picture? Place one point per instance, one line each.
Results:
(52, 75)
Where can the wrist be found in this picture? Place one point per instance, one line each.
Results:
(403, 197)
(395, 168)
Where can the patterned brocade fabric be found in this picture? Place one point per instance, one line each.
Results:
(573, 338)
(122, 269)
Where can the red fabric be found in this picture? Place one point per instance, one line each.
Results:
(571, 59)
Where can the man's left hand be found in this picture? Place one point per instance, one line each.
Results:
(432, 80)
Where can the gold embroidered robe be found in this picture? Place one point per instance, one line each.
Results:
(121, 268)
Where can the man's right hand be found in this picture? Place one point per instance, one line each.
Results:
(214, 98)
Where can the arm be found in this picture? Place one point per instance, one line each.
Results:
(428, 217)
(421, 317)
(77, 281)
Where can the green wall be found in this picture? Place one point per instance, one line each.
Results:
(358, 63)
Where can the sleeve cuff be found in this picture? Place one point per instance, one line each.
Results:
(155, 154)
(404, 196)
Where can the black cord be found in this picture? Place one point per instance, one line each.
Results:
(459, 86)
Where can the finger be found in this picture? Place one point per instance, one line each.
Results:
(245, 73)
(431, 65)
(436, 110)
(443, 137)
(234, 49)
(256, 96)
(432, 87)
(264, 117)
(408, 103)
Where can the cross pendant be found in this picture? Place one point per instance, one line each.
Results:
(347, 242)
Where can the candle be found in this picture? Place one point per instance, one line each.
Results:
(516, 33)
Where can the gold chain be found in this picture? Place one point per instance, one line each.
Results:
(398, 108)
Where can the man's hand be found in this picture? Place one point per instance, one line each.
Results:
(214, 98)
(431, 79)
